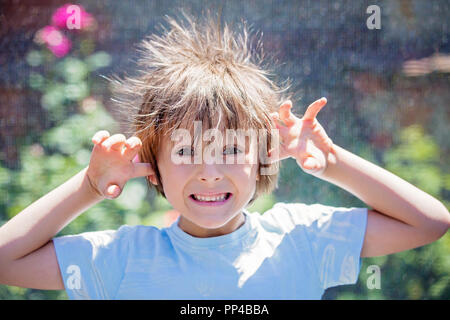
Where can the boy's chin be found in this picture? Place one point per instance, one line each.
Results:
(211, 223)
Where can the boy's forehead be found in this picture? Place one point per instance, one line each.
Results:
(194, 130)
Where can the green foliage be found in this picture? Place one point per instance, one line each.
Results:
(263, 203)
(416, 160)
(65, 81)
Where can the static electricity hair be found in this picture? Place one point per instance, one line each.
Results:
(198, 71)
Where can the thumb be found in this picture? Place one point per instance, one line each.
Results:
(142, 169)
(309, 163)
(113, 191)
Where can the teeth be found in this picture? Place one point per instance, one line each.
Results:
(211, 199)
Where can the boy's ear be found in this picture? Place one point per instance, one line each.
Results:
(152, 179)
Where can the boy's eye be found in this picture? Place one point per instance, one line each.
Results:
(186, 151)
(189, 151)
(232, 150)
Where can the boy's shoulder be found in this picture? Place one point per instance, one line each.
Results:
(289, 214)
(106, 237)
(297, 213)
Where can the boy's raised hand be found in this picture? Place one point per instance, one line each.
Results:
(112, 163)
(303, 139)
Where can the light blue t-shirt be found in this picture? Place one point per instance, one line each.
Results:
(292, 251)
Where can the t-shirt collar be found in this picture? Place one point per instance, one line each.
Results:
(234, 236)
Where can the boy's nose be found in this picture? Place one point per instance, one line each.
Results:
(209, 173)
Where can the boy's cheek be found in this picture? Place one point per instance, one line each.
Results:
(246, 171)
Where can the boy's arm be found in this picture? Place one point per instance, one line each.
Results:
(27, 255)
(403, 216)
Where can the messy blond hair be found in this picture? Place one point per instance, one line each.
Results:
(198, 72)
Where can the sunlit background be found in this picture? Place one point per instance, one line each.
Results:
(388, 93)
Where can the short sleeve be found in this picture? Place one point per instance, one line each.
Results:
(92, 264)
(335, 236)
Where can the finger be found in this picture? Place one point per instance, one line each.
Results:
(286, 115)
(274, 117)
(323, 143)
(304, 151)
(277, 154)
(320, 137)
(113, 191)
(314, 109)
(132, 142)
(142, 169)
(283, 130)
(312, 166)
(115, 142)
(100, 136)
(309, 163)
(132, 146)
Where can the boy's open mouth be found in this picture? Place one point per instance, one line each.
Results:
(216, 199)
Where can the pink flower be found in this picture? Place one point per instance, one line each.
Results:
(72, 17)
(55, 40)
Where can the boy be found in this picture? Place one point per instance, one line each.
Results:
(197, 79)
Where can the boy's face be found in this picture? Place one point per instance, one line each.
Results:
(229, 186)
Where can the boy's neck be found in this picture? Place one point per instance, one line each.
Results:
(200, 232)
